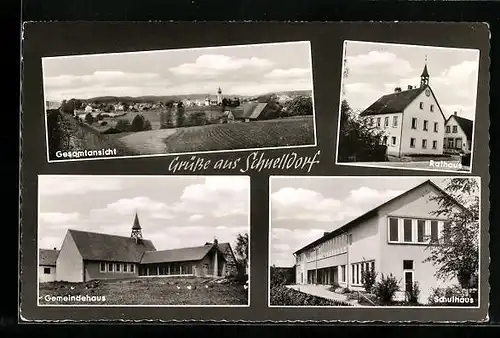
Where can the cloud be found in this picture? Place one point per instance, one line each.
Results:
(58, 217)
(284, 242)
(102, 78)
(196, 217)
(289, 73)
(218, 196)
(217, 64)
(375, 62)
(76, 185)
(302, 204)
(125, 205)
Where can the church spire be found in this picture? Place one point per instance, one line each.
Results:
(424, 78)
(136, 229)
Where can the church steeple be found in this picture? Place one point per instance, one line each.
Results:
(136, 229)
(424, 78)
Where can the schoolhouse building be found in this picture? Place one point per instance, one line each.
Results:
(412, 120)
(86, 256)
(390, 239)
(458, 134)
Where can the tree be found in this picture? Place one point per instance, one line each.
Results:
(180, 116)
(456, 253)
(125, 106)
(137, 123)
(89, 119)
(122, 125)
(358, 140)
(197, 118)
(300, 105)
(241, 251)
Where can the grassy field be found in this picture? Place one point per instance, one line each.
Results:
(149, 291)
(232, 136)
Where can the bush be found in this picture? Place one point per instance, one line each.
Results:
(104, 123)
(386, 288)
(147, 125)
(369, 278)
(122, 126)
(282, 276)
(412, 295)
(89, 119)
(281, 295)
(99, 117)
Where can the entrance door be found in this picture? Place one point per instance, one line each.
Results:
(408, 281)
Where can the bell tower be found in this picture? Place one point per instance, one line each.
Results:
(136, 230)
(219, 96)
(424, 78)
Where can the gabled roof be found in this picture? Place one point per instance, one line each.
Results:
(369, 214)
(47, 257)
(465, 124)
(224, 247)
(177, 255)
(249, 110)
(393, 103)
(104, 247)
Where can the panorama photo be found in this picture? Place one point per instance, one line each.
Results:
(154, 103)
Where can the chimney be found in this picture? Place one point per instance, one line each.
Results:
(455, 113)
(397, 90)
(410, 87)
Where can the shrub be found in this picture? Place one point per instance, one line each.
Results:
(412, 295)
(281, 295)
(99, 117)
(386, 288)
(89, 118)
(104, 123)
(137, 123)
(369, 278)
(147, 125)
(282, 276)
(123, 126)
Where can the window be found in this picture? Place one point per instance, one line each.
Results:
(378, 121)
(125, 267)
(414, 123)
(448, 129)
(372, 266)
(393, 140)
(118, 266)
(110, 267)
(132, 266)
(46, 271)
(421, 105)
(343, 274)
(393, 230)
(434, 230)
(436, 126)
(371, 121)
(455, 129)
(412, 142)
(395, 121)
(384, 140)
(458, 143)
(420, 231)
(353, 272)
(426, 125)
(424, 144)
(446, 231)
(102, 267)
(386, 122)
(434, 144)
(407, 265)
(407, 230)
(432, 107)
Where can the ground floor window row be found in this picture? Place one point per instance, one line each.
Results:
(165, 269)
(338, 274)
(358, 269)
(116, 267)
(455, 143)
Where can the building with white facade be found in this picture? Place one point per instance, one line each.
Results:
(391, 239)
(47, 265)
(412, 120)
(458, 134)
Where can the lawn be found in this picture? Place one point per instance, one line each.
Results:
(232, 136)
(149, 291)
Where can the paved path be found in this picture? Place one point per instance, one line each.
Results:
(323, 292)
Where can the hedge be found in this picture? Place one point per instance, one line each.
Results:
(281, 295)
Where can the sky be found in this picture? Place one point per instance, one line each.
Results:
(173, 211)
(375, 69)
(238, 70)
(303, 208)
